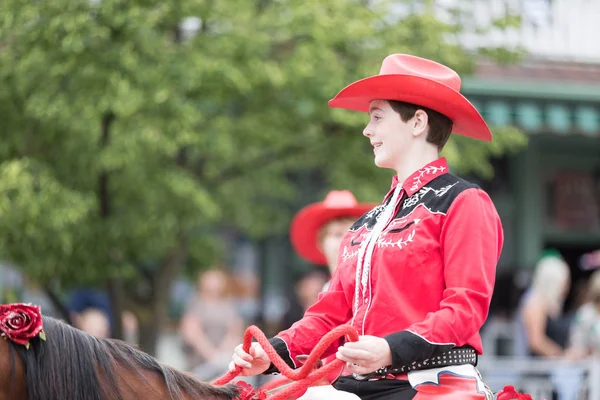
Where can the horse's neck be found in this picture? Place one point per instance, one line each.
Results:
(151, 386)
(12, 376)
(134, 386)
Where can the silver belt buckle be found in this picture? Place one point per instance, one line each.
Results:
(359, 377)
(375, 375)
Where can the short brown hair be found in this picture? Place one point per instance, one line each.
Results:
(440, 126)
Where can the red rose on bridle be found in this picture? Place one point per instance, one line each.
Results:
(509, 393)
(247, 392)
(20, 323)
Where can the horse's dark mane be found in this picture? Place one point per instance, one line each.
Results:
(72, 364)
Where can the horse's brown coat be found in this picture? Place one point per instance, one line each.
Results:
(73, 365)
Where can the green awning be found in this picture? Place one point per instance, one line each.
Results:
(537, 107)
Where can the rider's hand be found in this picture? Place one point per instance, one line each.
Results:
(254, 363)
(366, 355)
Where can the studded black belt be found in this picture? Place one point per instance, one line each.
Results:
(458, 356)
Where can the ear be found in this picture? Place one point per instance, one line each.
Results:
(420, 123)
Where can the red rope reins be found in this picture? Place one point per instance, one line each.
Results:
(304, 376)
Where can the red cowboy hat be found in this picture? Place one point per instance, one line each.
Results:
(305, 227)
(419, 81)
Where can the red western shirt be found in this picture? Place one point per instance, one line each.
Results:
(431, 276)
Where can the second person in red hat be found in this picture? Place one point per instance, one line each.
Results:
(316, 234)
(318, 229)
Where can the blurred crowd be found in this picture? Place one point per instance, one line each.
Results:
(211, 313)
(551, 317)
(208, 315)
(546, 325)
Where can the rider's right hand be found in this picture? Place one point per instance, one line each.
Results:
(255, 362)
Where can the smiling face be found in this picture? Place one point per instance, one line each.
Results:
(391, 137)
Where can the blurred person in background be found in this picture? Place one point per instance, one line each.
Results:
(89, 305)
(93, 321)
(83, 298)
(542, 333)
(316, 233)
(211, 325)
(584, 338)
(317, 230)
(544, 329)
(247, 296)
(306, 293)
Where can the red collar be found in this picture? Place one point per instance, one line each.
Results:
(421, 177)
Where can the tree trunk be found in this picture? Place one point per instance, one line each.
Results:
(114, 287)
(148, 328)
(153, 315)
(115, 295)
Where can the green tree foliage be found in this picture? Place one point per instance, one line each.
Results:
(127, 141)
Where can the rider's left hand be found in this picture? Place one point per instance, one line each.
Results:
(366, 355)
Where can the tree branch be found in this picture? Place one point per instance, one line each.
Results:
(103, 192)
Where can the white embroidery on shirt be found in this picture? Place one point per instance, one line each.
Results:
(417, 197)
(425, 171)
(347, 254)
(374, 211)
(396, 222)
(400, 243)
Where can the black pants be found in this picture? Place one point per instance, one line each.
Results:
(385, 389)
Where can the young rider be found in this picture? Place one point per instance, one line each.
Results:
(415, 274)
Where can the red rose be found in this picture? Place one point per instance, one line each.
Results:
(245, 391)
(509, 393)
(21, 322)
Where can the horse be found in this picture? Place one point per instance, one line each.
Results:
(73, 365)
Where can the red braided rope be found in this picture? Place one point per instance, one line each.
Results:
(304, 376)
